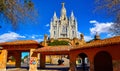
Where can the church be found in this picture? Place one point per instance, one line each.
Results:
(63, 27)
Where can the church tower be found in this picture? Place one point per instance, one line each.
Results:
(64, 27)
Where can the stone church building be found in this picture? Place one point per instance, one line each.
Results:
(63, 27)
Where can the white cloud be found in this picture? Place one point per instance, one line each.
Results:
(47, 25)
(10, 36)
(100, 27)
(93, 21)
(88, 38)
(39, 40)
(32, 37)
(36, 37)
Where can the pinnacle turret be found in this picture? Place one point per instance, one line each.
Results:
(97, 36)
(72, 15)
(63, 11)
(54, 16)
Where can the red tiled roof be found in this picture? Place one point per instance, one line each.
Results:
(99, 43)
(53, 48)
(20, 42)
(93, 44)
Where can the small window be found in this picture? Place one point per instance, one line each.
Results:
(73, 32)
(54, 33)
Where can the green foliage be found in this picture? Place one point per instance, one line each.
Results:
(22, 60)
(25, 57)
(12, 59)
(56, 42)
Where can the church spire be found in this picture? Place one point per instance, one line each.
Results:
(54, 16)
(63, 11)
(72, 15)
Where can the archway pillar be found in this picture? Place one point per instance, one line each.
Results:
(72, 62)
(3, 60)
(18, 59)
(42, 60)
(91, 65)
(116, 65)
(91, 61)
(33, 60)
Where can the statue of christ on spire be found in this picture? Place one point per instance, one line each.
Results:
(63, 4)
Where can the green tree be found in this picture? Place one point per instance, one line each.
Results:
(56, 42)
(112, 8)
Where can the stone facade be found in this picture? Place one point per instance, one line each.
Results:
(64, 27)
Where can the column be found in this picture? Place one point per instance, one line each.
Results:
(3, 60)
(42, 60)
(33, 61)
(116, 65)
(72, 63)
(91, 65)
(18, 59)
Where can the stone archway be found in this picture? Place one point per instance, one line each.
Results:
(103, 61)
(84, 62)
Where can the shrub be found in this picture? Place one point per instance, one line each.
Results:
(56, 42)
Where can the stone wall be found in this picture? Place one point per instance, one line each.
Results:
(116, 65)
(3, 60)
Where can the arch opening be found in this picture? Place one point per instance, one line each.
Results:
(11, 61)
(82, 62)
(103, 61)
(25, 59)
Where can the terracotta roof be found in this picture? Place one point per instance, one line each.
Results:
(99, 43)
(93, 44)
(53, 48)
(20, 42)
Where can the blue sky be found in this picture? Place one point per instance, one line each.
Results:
(89, 21)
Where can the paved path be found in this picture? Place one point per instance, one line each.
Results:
(20, 69)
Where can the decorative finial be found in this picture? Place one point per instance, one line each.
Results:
(54, 14)
(45, 37)
(72, 14)
(97, 36)
(81, 36)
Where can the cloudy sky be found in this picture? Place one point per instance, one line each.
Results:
(89, 22)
